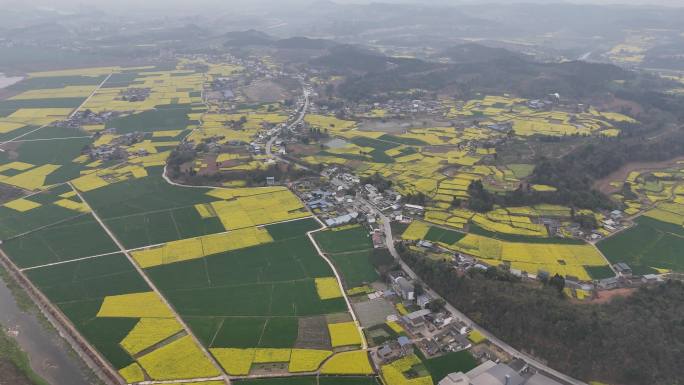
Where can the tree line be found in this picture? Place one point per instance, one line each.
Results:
(633, 341)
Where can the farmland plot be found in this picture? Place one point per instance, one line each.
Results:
(350, 250)
(235, 263)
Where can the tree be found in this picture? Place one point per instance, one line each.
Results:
(557, 282)
(436, 305)
(480, 200)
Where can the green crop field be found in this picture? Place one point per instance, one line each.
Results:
(380, 146)
(248, 332)
(137, 196)
(599, 272)
(297, 298)
(15, 133)
(7, 107)
(436, 234)
(400, 140)
(162, 226)
(38, 83)
(648, 245)
(350, 251)
(250, 297)
(341, 241)
(72, 239)
(355, 267)
(311, 380)
(475, 229)
(51, 151)
(13, 223)
(167, 117)
(347, 381)
(440, 367)
(78, 289)
(292, 229)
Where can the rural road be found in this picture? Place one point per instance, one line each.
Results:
(389, 240)
(16, 139)
(90, 96)
(310, 234)
(300, 118)
(154, 288)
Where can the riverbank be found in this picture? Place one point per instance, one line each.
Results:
(31, 350)
(15, 367)
(6, 81)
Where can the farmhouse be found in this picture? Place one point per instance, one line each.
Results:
(623, 269)
(403, 288)
(423, 300)
(341, 220)
(608, 283)
(417, 318)
(490, 373)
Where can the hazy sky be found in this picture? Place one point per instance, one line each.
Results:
(133, 4)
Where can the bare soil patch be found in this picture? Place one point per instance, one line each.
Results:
(313, 333)
(8, 193)
(621, 174)
(265, 91)
(606, 296)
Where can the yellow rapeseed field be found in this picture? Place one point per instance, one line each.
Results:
(476, 337)
(254, 210)
(307, 360)
(149, 331)
(136, 305)
(416, 231)
(71, 205)
(166, 133)
(132, 373)
(344, 334)
(564, 259)
(329, 122)
(665, 216)
(355, 362)
(180, 359)
(53, 93)
(32, 179)
(395, 326)
(393, 374)
(6, 127)
(328, 288)
(22, 205)
(18, 166)
(193, 248)
(268, 355)
(236, 362)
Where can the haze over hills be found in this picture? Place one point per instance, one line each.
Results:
(341, 192)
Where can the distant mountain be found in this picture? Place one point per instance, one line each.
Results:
(477, 53)
(358, 59)
(304, 43)
(47, 30)
(505, 72)
(257, 38)
(247, 38)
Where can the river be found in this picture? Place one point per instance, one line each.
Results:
(6, 81)
(49, 354)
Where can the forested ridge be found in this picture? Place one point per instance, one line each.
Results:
(635, 340)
